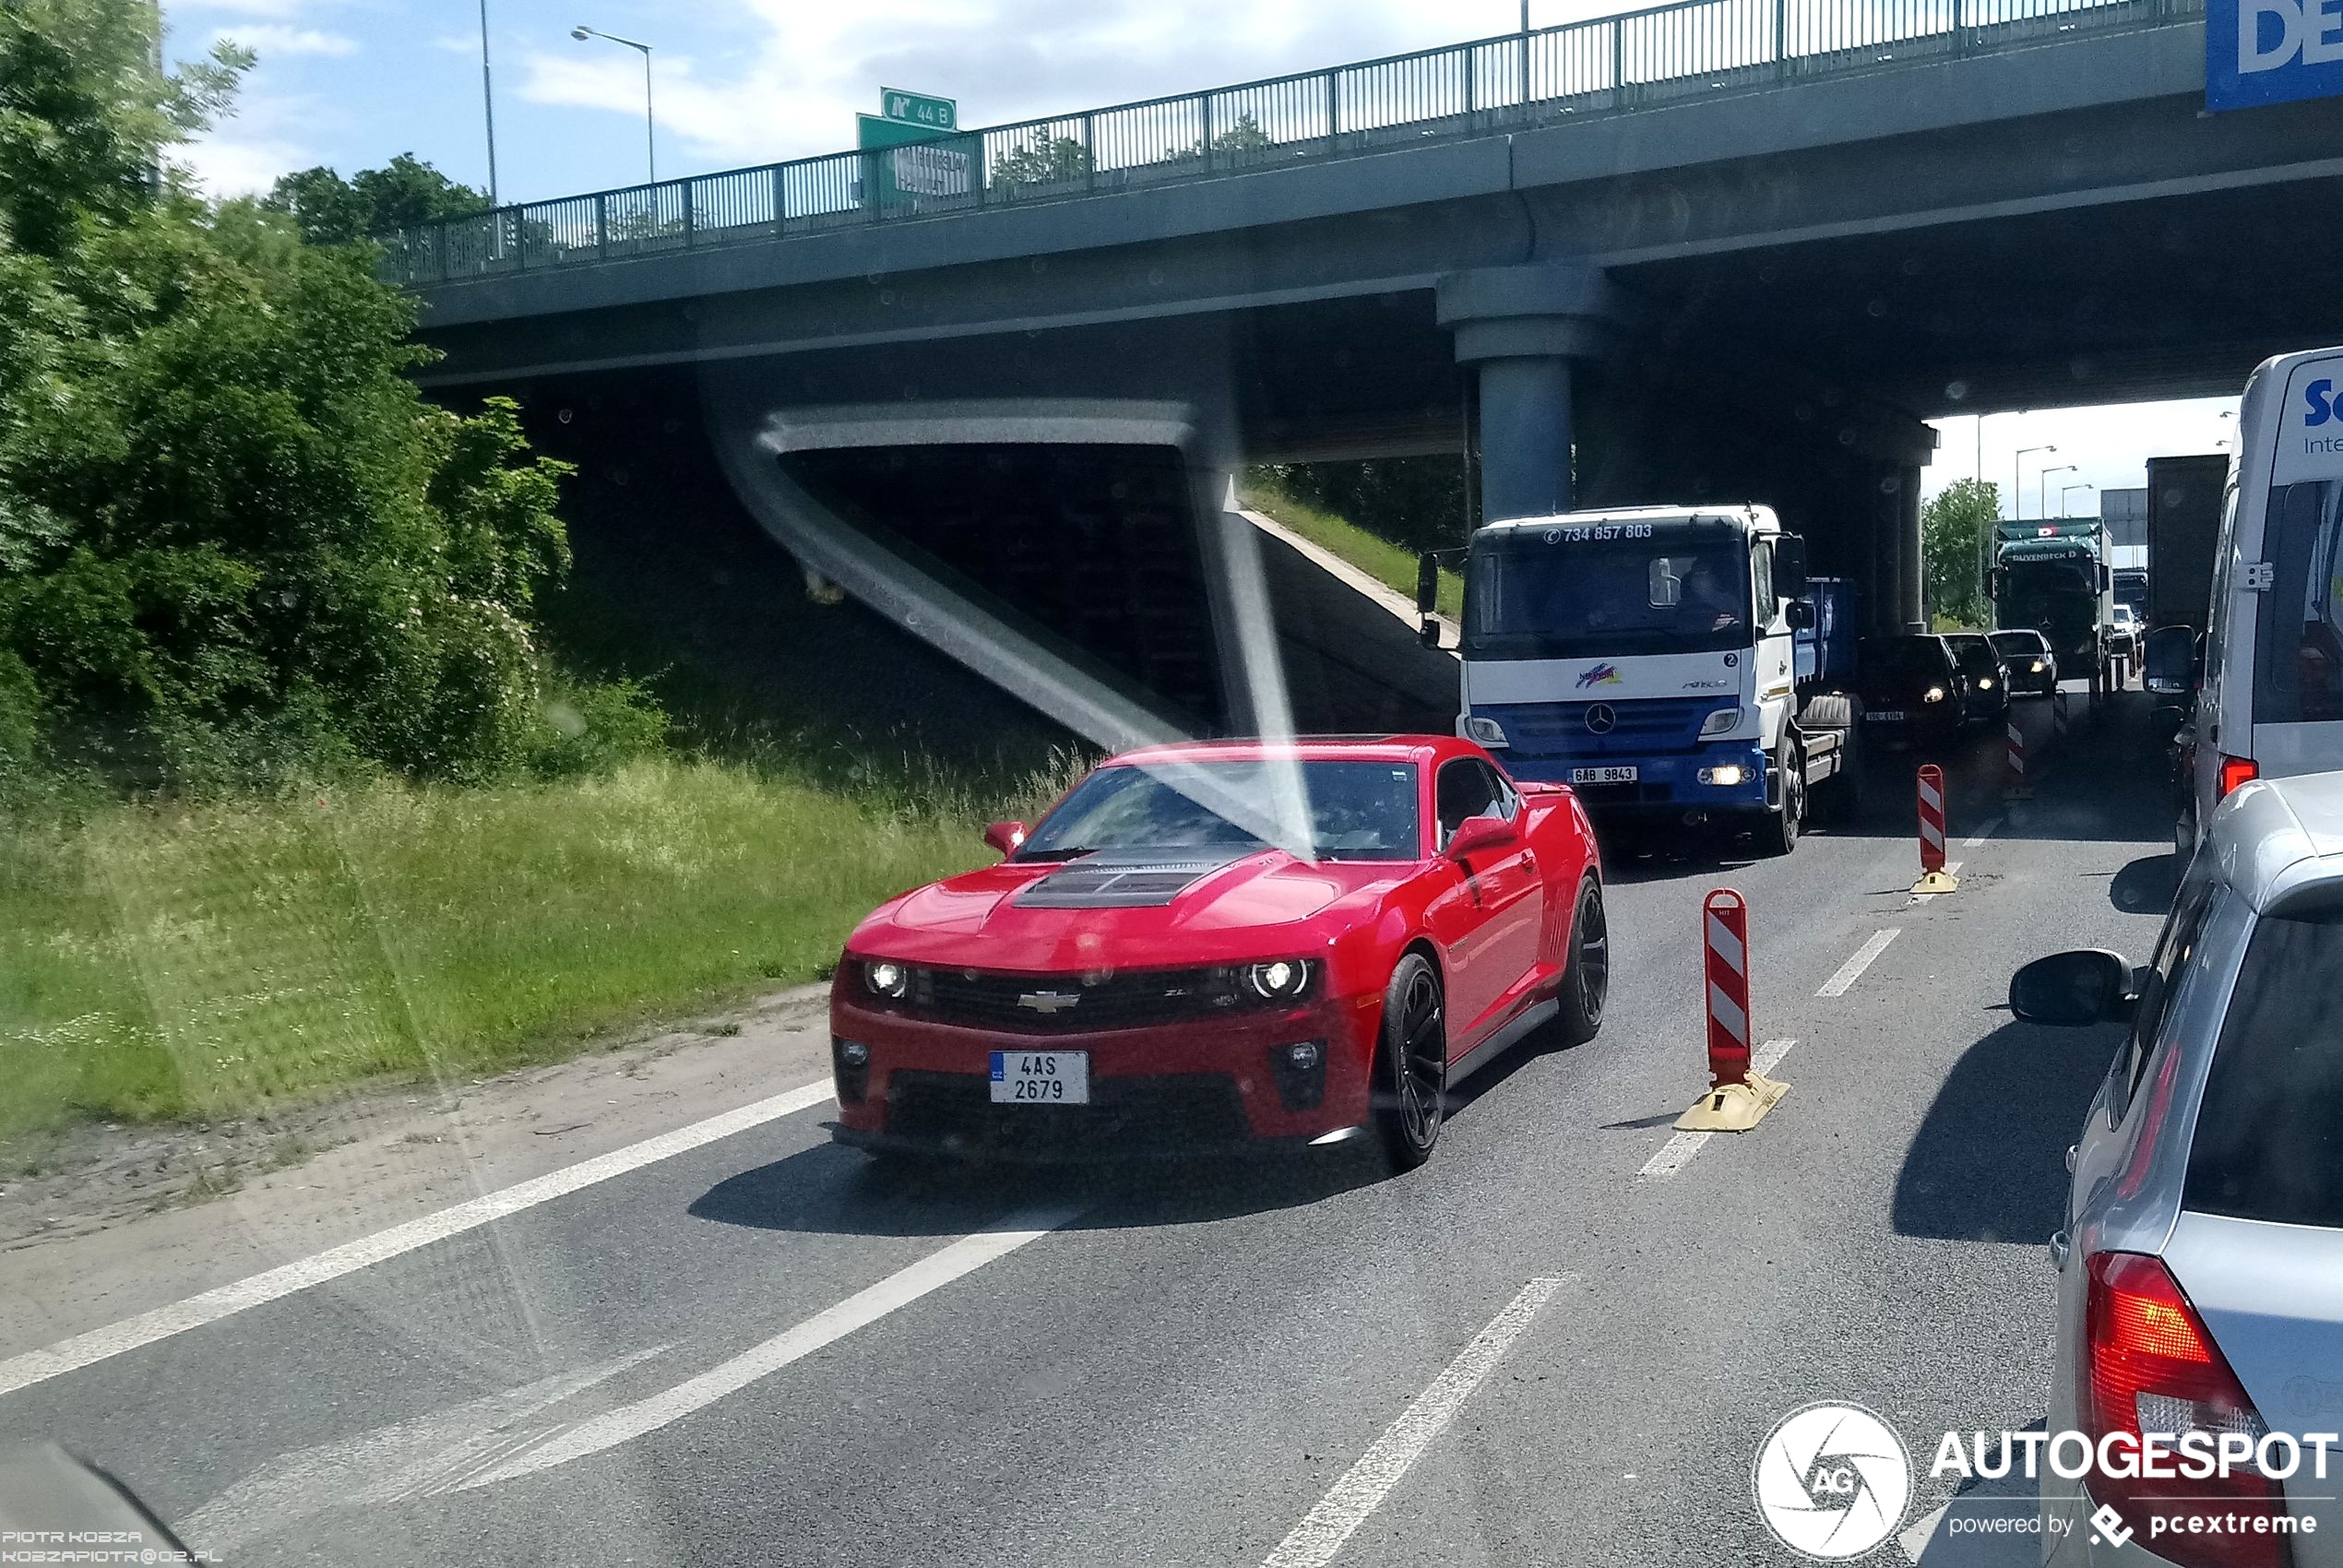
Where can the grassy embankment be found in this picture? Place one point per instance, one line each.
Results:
(1390, 563)
(202, 961)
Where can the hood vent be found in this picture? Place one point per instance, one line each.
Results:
(1092, 886)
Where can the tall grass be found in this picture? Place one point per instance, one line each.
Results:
(1392, 565)
(166, 961)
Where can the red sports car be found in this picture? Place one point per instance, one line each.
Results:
(1225, 943)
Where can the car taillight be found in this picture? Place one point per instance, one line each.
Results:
(2236, 770)
(2150, 1366)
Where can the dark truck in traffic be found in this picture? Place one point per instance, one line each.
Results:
(2058, 578)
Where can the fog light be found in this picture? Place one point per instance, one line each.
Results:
(1730, 773)
(1300, 1072)
(854, 1053)
(850, 1061)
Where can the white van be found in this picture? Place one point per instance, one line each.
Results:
(2272, 700)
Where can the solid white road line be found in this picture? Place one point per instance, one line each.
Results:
(864, 1307)
(1977, 839)
(1852, 970)
(1678, 1151)
(98, 1344)
(1364, 1485)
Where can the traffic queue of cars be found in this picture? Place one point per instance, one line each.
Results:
(1927, 689)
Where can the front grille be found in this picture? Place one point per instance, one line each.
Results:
(1043, 1005)
(1558, 729)
(1163, 1114)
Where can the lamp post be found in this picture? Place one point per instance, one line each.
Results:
(2041, 487)
(2066, 490)
(488, 103)
(650, 130)
(2017, 481)
(1525, 59)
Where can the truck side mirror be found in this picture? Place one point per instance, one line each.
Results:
(1790, 565)
(2106, 579)
(1428, 633)
(1996, 581)
(1801, 615)
(1427, 583)
(2170, 658)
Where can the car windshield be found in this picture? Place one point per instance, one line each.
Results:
(1356, 811)
(1898, 661)
(1608, 590)
(2019, 645)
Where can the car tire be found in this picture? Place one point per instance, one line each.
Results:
(1411, 1063)
(1586, 979)
(1777, 831)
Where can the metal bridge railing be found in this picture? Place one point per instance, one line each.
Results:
(1610, 64)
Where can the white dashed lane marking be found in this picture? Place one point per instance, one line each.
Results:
(1679, 1150)
(1852, 970)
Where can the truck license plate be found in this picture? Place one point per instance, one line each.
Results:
(1614, 773)
(1040, 1077)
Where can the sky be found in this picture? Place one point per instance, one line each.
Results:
(352, 83)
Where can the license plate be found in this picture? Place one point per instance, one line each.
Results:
(1887, 715)
(1040, 1077)
(1614, 775)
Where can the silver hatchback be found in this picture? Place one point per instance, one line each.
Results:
(2200, 1291)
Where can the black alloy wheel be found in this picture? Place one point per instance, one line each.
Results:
(1586, 982)
(1414, 1063)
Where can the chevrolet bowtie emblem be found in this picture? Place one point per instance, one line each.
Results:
(1049, 1001)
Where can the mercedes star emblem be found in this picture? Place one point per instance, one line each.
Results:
(1601, 720)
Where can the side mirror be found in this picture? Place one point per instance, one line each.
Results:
(1427, 583)
(2088, 985)
(1790, 565)
(2106, 579)
(1478, 835)
(1428, 633)
(1996, 583)
(1801, 614)
(2169, 660)
(1005, 837)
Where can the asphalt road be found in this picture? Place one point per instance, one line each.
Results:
(761, 1351)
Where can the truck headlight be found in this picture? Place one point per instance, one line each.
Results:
(1721, 722)
(1730, 773)
(1486, 730)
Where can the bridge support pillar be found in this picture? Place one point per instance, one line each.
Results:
(1522, 328)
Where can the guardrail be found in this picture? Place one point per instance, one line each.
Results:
(1580, 70)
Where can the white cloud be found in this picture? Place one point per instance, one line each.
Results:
(268, 38)
(794, 91)
(457, 42)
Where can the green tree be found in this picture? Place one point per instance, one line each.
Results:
(331, 210)
(1045, 161)
(1957, 529)
(232, 533)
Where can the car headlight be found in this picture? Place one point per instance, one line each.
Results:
(1933, 694)
(2038, 667)
(885, 978)
(1486, 730)
(1720, 722)
(1280, 979)
(1985, 684)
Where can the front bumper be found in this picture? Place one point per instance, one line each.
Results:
(1196, 1086)
(1667, 783)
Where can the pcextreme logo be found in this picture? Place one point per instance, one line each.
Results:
(1599, 675)
(1831, 1481)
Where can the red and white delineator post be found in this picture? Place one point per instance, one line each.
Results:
(2019, 788)
(1738, 1096)
(1933, 877)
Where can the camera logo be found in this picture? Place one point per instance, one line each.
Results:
(1831, 1481)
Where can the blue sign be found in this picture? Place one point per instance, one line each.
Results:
(2260, 52)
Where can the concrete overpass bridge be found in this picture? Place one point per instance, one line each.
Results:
(1718, 249)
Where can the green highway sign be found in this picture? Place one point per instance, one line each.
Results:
(918, 108)
(918, 161)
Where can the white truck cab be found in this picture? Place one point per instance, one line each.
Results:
(1647, 657)
(2270, 703)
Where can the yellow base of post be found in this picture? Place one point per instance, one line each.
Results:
(1736, 1108)
(1937, 881)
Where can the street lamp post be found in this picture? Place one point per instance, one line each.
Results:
(2041, 487)
(2018, 481)
(2066, 490)
(488, 102)
(650, 130)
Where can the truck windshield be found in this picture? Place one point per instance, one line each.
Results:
(1605, 589)
(2300, 651)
